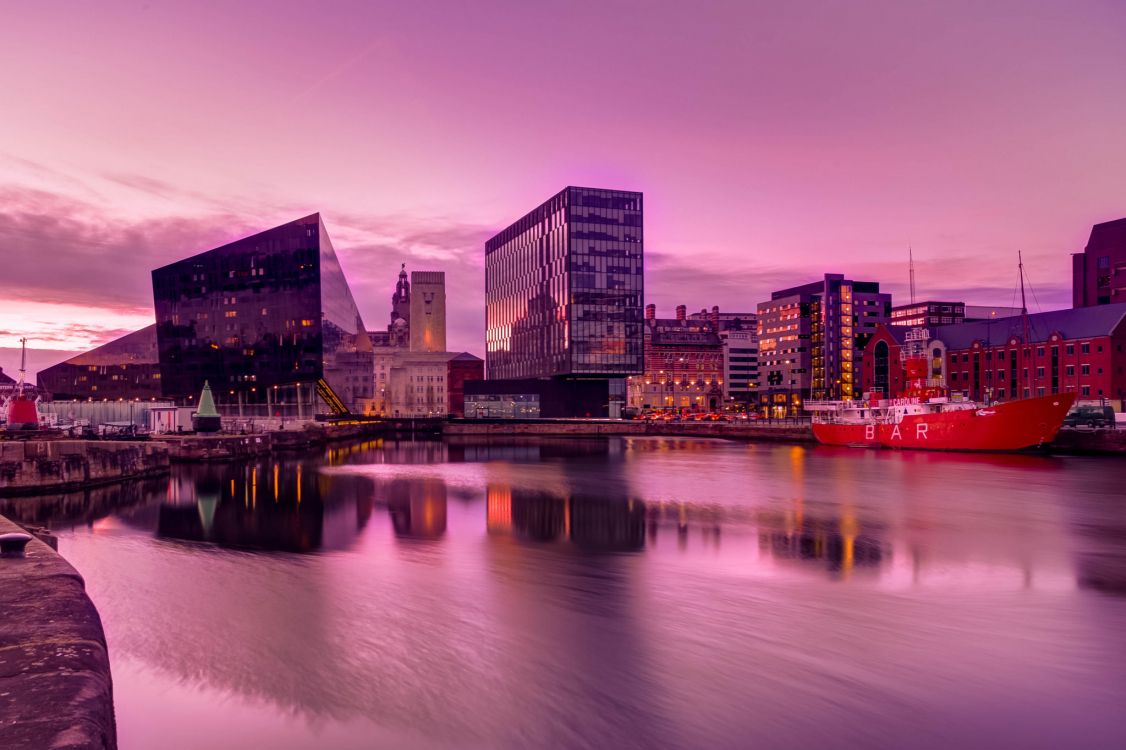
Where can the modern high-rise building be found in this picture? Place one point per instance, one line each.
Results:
(428, 311)
(267, 320)
(564, 288)
(1099, 272)
(563, 294)
(811, 339)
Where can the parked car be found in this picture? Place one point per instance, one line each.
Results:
(1090, 416)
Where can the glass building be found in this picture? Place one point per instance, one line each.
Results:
(125, 368)
(268, 320)
(564, 287)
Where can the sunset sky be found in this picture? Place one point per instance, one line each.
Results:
(773, 141)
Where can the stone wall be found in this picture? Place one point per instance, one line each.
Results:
(28, 467)
(55, 684)
(794, 433)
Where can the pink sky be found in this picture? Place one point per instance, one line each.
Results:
(773, 141)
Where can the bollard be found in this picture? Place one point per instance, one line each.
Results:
(12, 545)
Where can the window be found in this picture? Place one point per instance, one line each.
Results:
(1084, 369)
(1039, 372)
(1071, 348)
(1085, 348)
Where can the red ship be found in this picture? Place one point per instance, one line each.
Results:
(938, 423)
(928, 419)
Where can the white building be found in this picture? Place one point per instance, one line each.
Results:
(740, 364)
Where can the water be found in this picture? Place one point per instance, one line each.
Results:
(620, 593)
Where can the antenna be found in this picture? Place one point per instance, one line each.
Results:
(911, 264)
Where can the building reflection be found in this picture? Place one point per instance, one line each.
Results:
(265, 505)
(839, 543)
(417, 506)
(61, 509)
(597, 523)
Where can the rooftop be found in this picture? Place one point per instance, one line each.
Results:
(1073, 323)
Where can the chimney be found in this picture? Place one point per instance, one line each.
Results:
(650, 312)
(681, 312)
(714, 318)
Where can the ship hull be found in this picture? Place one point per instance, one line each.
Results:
(1011, 426)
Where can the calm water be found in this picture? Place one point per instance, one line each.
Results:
(622, 593)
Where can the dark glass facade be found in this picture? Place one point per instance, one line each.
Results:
(564, 288)
(125, 368)
(266, 317)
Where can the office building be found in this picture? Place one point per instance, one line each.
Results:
(427, 322)
(125, 368)
(1099, 272)
(811, 339)
(740, 366)
(269, 321)
(563, 290)
(928, 314)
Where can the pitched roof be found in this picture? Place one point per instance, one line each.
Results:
(1074, 323)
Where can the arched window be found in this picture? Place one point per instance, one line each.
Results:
(881, 368)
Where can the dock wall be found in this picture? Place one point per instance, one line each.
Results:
(33, 467)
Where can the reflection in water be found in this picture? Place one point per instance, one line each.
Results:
(596, 523)
(417, 507)
(625, 593)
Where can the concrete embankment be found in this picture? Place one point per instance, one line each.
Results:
(783, 433)
(1090, 442)
(55, 685)
(196, 448)
(33, 467)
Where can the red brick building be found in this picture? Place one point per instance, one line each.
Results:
(461, 368)
(1082, 351)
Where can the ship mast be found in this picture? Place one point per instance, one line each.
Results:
(911, 265)
(23, 366)
(1027, 332)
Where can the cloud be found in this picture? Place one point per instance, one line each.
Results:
(64, 250)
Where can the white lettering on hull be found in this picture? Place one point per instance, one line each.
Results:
(895, 433)
(921, 431)
(869, 432)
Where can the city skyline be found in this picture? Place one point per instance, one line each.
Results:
(797, 143)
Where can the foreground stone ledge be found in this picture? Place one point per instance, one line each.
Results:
(55, 685)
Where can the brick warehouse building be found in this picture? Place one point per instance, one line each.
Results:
(1082, 350)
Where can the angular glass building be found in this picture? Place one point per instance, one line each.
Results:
(125, 368)
(268, 320)
(564, 288)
